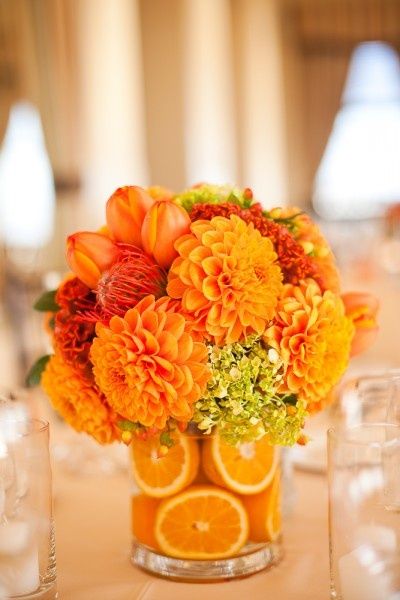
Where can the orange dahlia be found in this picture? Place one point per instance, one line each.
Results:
(81, 404)
(148, 365)
(313, 335)
(292, 259)
(309, 235)
(226, 277)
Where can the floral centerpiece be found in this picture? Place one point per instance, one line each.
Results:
(200, 316)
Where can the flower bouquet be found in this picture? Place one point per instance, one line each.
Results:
(201, 330)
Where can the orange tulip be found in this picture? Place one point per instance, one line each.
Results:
(89, 255)
(125, 211)
(163, 225)
(362, 309)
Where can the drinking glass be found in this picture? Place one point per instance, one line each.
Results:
(364, 511)
(370, 398)
(27, 546)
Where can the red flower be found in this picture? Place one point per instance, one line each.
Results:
(74, 324)
(128, 281)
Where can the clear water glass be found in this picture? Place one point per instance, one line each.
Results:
(370, 398)
(27, 545)
(364, 511)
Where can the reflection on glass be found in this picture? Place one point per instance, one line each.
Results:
(27, 547)
(364, 504)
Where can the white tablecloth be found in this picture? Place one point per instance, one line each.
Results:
(93, 540)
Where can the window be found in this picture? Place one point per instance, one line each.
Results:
(359, 174)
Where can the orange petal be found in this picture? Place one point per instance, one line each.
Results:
(149, 229)
(362, 340)
(168, 346)
(194, 300)
(211, 288)
(89, 254)
(84, 268)
(212, 266)
(354, 300)
(125, 212)
(164, 223)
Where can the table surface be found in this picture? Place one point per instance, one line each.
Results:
(93, 540)
(93, 521)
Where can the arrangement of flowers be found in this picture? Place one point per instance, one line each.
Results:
(203, 308)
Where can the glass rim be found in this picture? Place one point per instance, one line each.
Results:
(12, 394)
(34, 425)
(344, 434)
(388, 376)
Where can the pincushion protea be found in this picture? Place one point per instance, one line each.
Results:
(134, 276)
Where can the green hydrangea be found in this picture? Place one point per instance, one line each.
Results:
(289, 222)
(241, 397)
(212, 194)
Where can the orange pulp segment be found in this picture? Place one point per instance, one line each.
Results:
(202, 522)
(246, 468)
(264, 511)
(166, 475)
(144, 511)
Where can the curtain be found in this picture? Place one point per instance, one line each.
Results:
(149, 91)
(173, 92)
(320, 36)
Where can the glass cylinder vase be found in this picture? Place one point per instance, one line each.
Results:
(204, 509)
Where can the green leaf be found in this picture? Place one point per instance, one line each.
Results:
(290, 399)
(166, 440)
(47, 302)
(35, 373)
(127, 425)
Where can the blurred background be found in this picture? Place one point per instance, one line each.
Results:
(297, 99)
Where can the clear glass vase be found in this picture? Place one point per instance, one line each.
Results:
(205, 510)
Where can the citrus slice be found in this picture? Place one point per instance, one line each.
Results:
(264, 512)
(202, 522)
(161, 476)
(246, 468)
(144, 509)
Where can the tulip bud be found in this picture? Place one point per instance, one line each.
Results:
(89, 255)
(163, 225)
(362, 310)
(159, 193)
(125, 211)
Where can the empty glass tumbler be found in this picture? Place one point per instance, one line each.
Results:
(371, 398)
(27, 547)
(364, 511)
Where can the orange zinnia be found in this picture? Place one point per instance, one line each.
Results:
(226, 277)
(81, 404)
(313, 335)
(148, 365)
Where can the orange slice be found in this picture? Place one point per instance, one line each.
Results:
(203, 522)
(163, 476)
(264, 512)
(144, 511)
(247, 468)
